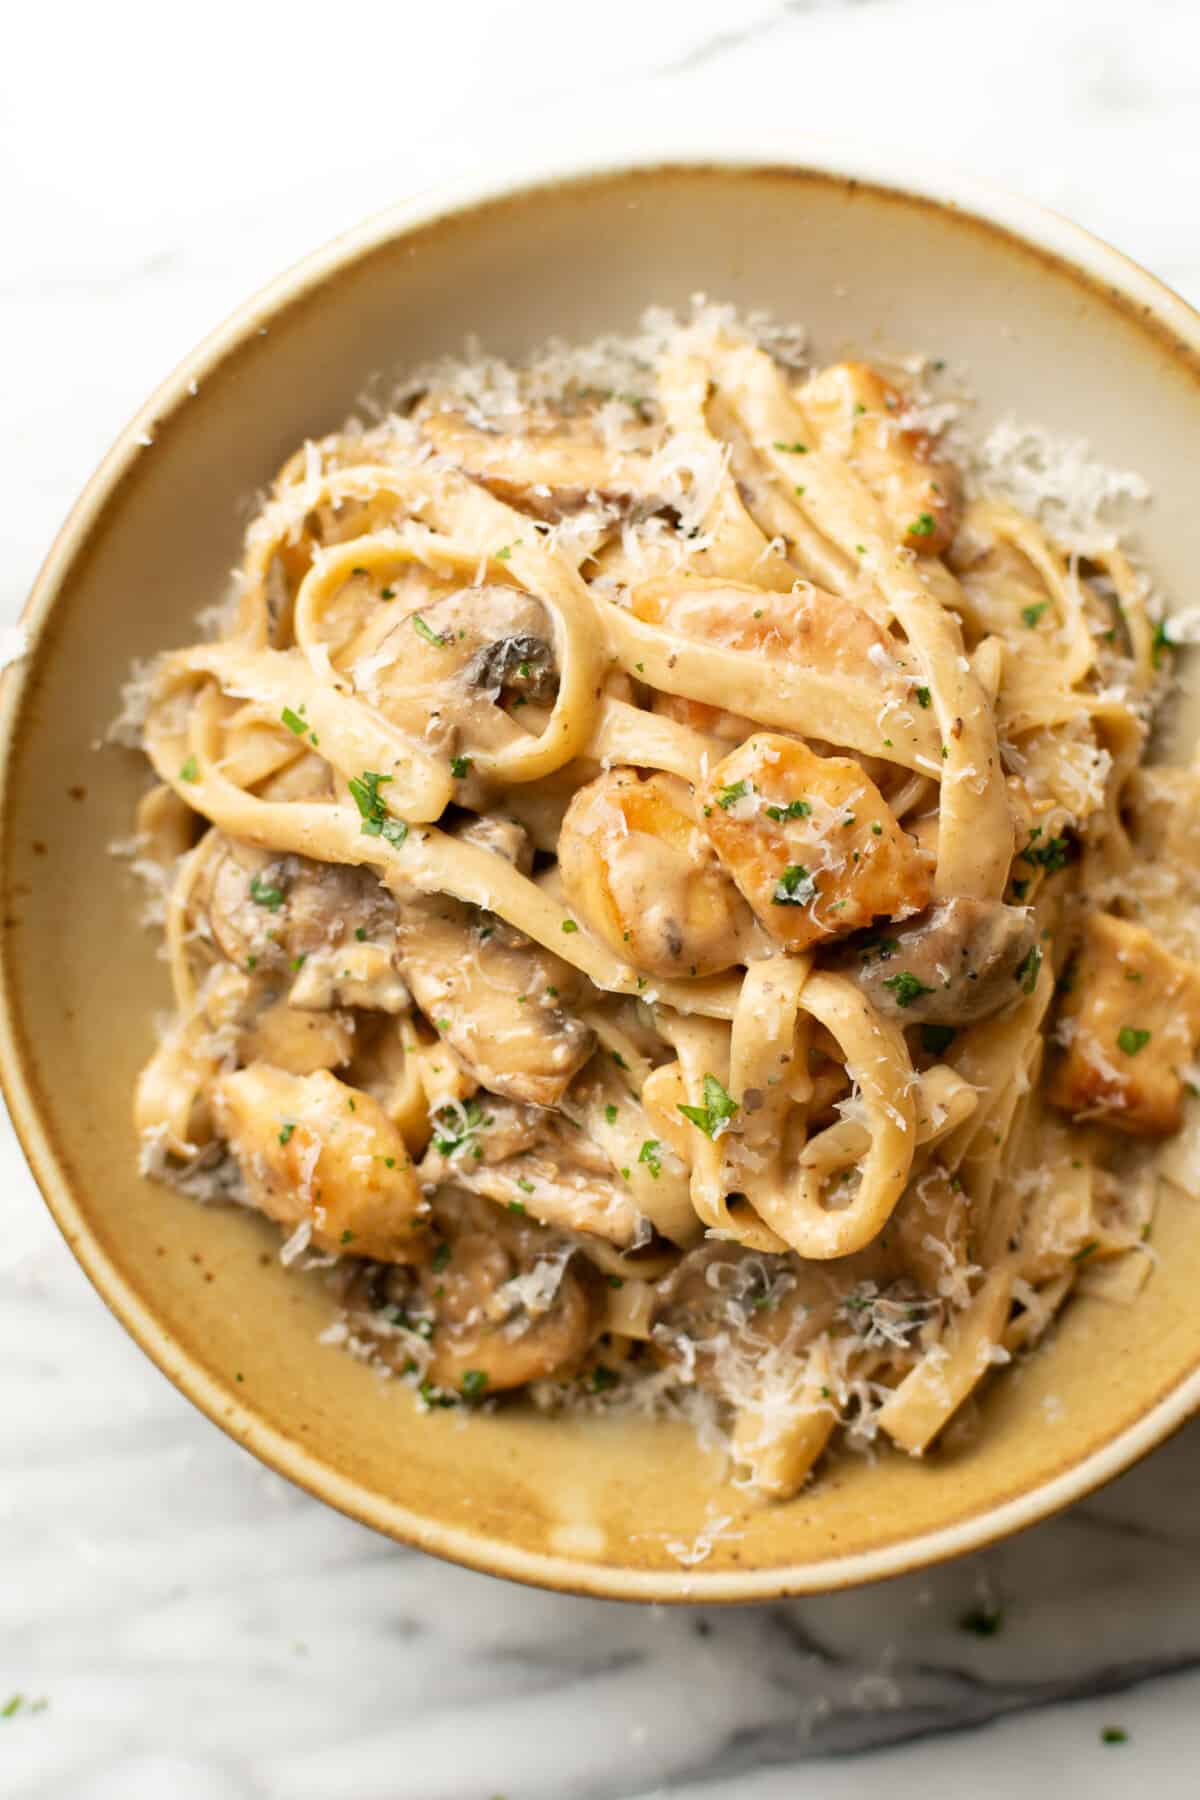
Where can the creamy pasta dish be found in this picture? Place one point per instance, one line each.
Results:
(664, 898)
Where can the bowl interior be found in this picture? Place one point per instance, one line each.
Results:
(597, 1505)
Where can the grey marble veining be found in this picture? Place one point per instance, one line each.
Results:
(198, 1629)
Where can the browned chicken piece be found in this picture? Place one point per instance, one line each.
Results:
(857, 412)
(807, 626)
(1130, 1022)
(810, 841)
(501, 1002)
(531, 1161)
(312, 1148)
(545, 464)
(254, 1024)
(500, 1300)
(963, 961)
(638, 869)
(276, 914)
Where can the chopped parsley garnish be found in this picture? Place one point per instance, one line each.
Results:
(922, 526)
(719, 1107)
(737, 790)
(1031, 614)
(795, 887)
(792, 449)
(1028, 969)
(459, 766)
(651, 1154)
(602, 1378)
(360, 932)
(189, 771)
(426, 631)
(1161, 642)
(518, 1207)
(1053, 855)
(441, 1257)
(906, 987)
(610, 1113)
(795, 809)
(1086, 1250)
(526, 1187)
(456, 1126)
(347, 1237)
(1113, 1734)
(474, 1382)
(618, 1059)
(936, 1038)
(376, 821)
(876, 829)
(1131, 1039)
(924, 697)
(569, 925)
(616, 1281)
(263, 894)
(286, 1130)
(503, 555)
(983, 1621)
(295, 724)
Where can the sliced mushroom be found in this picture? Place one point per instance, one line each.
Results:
(520, 666)
(536, 1162)
(503, 837)
(719, 1293)
(500, 1001)
(311, 1148)
(273, 913)
(962, 961)
(546, 464)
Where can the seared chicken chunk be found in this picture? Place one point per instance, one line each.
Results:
(312, 1148)
(499, 1300)
(500, 1001)
(962, 961)
(1130, 1022)
(810, 841)
(637, 868)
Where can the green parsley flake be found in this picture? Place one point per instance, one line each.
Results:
(1028, 969)
(795, 887)
(295, 724)
(263, 894)
(360, 932)
(922, 526)
(1053, 855)
(426, 631)
(526, 1187)
(876, 829)
(189, 771)
(906, 987)
(1113, 1734)
(610, 1113)
(795, 809)
(441, 1257)
(1086, 1250)
(1131, 1039)
(503, 555)
(719, 1107)
(792, 449)
(376, 820)
(433, 1396)
(569, 925)
(474, 1382)
(347, 1237)
(1031, 614)
(616, 1281)
(459, 766)
(518, 1207)
(728, 796)
(286, 1130)
(651, 1154)
(924, 697)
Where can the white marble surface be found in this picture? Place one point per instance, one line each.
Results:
(199, 1630)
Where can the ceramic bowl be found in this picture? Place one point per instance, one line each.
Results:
(1054, 327)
